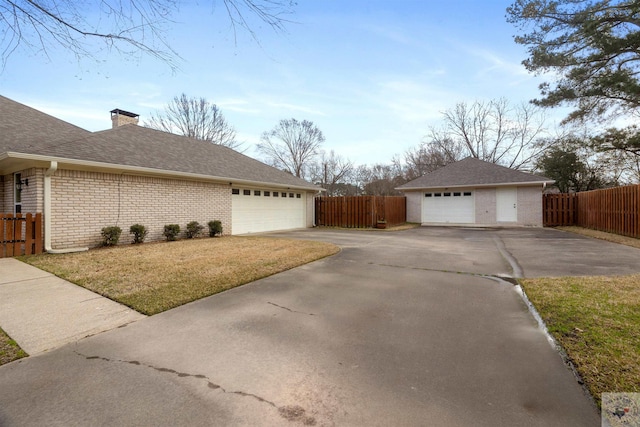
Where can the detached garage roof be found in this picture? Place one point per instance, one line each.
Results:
(28, 134)
(472, 172)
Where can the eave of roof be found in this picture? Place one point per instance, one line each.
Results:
(86, 165)
(499, 184)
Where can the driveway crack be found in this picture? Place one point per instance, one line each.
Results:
(288, 309)
(516, 269)
(294, 413)
(502, 279)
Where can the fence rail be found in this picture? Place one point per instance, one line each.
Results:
(360, 211)
(20, 235)
(614, 210)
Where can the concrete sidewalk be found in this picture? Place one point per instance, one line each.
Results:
(41, 311)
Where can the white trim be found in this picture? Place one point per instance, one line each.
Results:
(501, 184)
(15, 192)
(61, 161)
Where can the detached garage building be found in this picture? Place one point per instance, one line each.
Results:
(83, 181)
(475, 192)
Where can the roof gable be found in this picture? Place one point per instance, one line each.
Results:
(472, 172)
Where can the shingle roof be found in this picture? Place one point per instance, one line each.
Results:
(22, 126)
(472, 172)
(32, 132)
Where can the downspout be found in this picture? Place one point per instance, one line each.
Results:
(47, 214)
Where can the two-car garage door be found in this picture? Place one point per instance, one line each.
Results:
(455, 207)
(260, 210)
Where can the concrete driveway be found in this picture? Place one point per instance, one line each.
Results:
(397, 329)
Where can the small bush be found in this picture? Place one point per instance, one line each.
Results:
(139, 232)
(111, 235)
(193, 229)
(171, 232)
(215, 228)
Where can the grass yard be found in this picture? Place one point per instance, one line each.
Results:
(9, 349)
(597, 321)
(154, 277)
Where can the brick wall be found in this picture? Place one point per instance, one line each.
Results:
(5, 196)
(414, 206)
(530, 206)
(485, 201)
(85, 202)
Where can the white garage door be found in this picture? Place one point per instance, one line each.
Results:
(254, 211)
(455, 207)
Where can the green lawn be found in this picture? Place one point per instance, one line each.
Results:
(154, 277)
(597, 322)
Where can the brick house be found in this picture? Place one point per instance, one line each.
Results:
(83, 181)
(475, 192)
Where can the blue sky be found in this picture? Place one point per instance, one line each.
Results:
(372, 75)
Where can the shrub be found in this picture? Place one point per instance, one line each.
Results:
(193, 229)
(171, 231)
(111, 235)
(139, 232)
(215, 228)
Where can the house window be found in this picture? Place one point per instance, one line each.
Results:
(447, 194)
(246, 192)
(275, 194)
(267, 193)
(298, 195)
(235, 191)
(437, 194)
(467, 193)
(427, 194)
(284, 194)
(256, 192)
(291, 195)
(456, 194)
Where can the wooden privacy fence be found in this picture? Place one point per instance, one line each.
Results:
(20, 235)
(614, 210)
(360, 211)
(559, 209)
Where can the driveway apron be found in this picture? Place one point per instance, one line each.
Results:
(402, 329)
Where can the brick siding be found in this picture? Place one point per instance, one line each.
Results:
(530, 206)
(32, 200)
(485, 202)
(414, 206)
(85, 202)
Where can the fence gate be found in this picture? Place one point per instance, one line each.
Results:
(20, 235)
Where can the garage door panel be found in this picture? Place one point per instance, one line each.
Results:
(262, 212)
(456, 206)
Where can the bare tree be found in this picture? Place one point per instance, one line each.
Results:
(128, 27)
(195, 118)
(432, 154)
(332, 172)
(291, 146)
(495, 131)
(382, 179)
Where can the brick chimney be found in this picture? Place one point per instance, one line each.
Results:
(121, 117)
